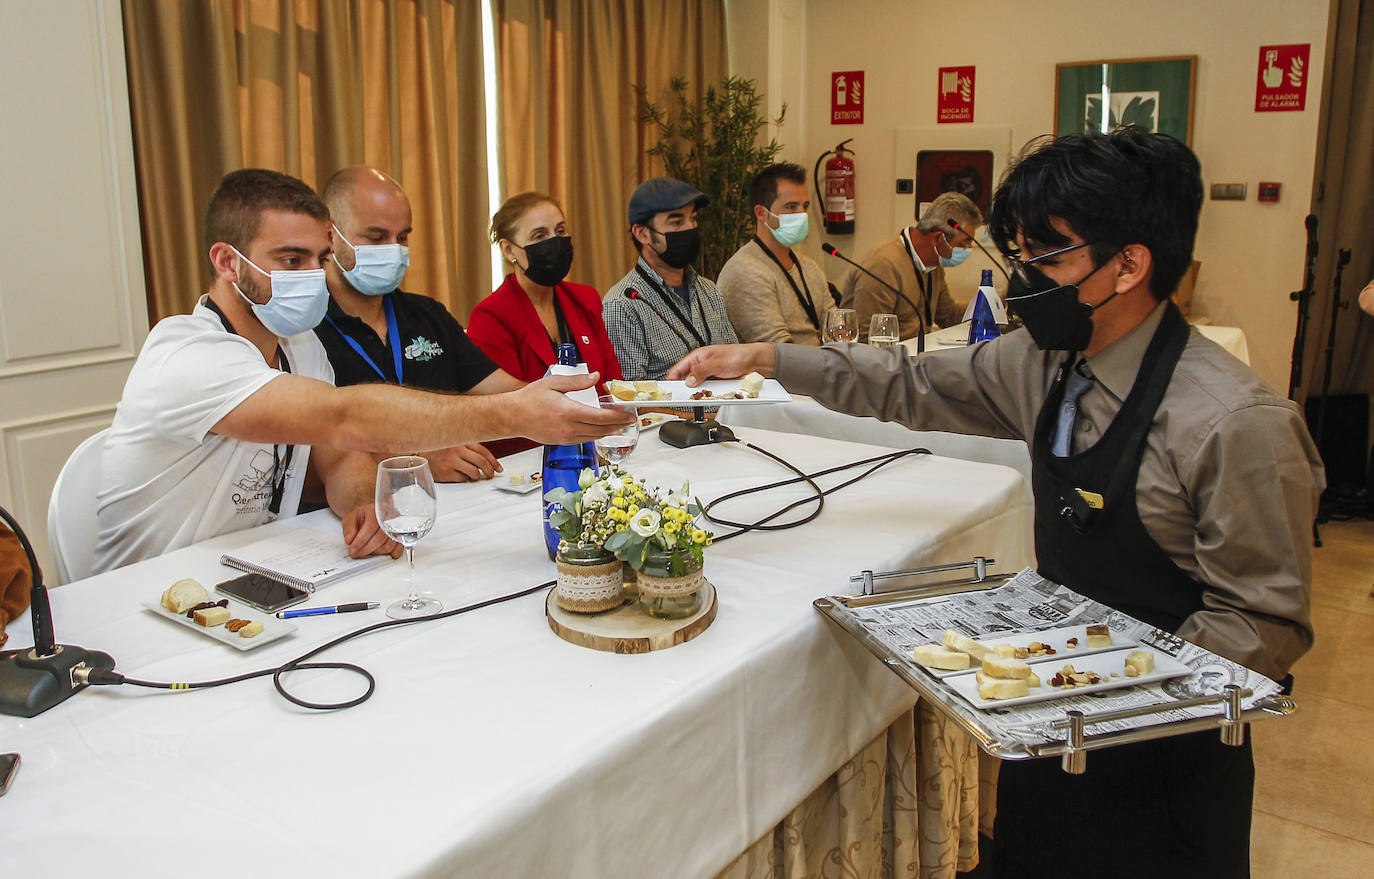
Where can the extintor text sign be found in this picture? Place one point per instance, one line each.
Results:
(955, 95)
(847, 97)
(1282, 81)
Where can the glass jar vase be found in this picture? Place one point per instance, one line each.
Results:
(669, 597)
(590, 579)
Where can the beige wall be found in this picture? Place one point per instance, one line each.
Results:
(1251, 253)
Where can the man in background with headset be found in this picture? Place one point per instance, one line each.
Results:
(915, 262)
(1170, 481)
(227, 407)
(662, 309)
(376, 332)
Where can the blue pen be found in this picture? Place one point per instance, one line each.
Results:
(320, 611)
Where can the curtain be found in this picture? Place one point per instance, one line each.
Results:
(569, 112)
(308, 87)
(1345, 203)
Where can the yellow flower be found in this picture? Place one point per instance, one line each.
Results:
(708, 541)
(670, 527)
(618, 500)
(634, 508)
(621, 527)
(698, 536)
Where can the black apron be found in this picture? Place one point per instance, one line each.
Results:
(1172, 807)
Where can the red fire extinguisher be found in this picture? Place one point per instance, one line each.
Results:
(837, 195)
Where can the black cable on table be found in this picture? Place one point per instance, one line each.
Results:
(300, 663)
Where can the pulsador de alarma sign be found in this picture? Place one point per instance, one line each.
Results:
(1282, 80)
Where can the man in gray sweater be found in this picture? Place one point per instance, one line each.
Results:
(771, 293)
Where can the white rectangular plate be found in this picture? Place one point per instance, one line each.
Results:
(1058, 639)
(272, 628)
(532, 482)
(771, 392)
(1104, 663)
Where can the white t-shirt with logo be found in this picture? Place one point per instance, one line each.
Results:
(166, 480)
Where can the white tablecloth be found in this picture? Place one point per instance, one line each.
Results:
(491, 747)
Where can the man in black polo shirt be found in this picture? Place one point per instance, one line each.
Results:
(376, 332)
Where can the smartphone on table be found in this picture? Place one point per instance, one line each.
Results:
(261, 592)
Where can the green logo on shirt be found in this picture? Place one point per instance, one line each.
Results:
(423, 349)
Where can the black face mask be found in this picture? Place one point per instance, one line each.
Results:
(1053, 316)
(550, 260)
(682, 247)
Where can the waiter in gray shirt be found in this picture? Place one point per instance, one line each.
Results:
(1170, 481)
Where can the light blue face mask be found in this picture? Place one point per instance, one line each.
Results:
(956, 256)
(792, 228)
(299, 300)
(377, 268)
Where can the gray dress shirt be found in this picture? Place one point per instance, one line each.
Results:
(1228, 484)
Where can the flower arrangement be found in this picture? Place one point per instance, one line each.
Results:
(622, 515)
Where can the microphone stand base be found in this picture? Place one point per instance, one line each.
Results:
(685, 434)
(30, 684)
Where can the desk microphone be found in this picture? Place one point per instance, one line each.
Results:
(995, 261)
(920, 339)
(34, 680)
(633, 296)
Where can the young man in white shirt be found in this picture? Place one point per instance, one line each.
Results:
(227, 407)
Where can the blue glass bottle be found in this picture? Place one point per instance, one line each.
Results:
(983, 328)
(563, 464)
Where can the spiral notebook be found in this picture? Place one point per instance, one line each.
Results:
(302, 558)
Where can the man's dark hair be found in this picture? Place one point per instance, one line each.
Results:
(236, 207)
(763, 189)
(1127, 187)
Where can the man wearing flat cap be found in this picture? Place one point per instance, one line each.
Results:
(663, 309)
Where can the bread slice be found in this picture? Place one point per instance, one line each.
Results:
(936, 656)
(964, 644)
(1002, 667)
(1001, 688)
(183, 595)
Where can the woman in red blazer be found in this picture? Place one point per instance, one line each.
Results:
(521, 323)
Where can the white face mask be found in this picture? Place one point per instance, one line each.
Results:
(299, 300)
(792, 228)
(377, 268)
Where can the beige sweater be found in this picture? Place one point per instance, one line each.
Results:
(891, 262)
(763, 307)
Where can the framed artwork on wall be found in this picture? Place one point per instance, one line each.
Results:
(1155, 94)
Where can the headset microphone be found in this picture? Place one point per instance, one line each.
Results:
(921, 338)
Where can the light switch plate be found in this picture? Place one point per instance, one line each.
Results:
(1228, 192)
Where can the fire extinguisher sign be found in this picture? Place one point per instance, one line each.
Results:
(847, 97)
(955, 94)
(1282, 81)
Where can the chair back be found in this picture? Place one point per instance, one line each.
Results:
(72, 524)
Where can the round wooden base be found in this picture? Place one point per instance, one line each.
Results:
(627, 629)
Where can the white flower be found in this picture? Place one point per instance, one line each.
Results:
(645, 523)
(614, 482)
(586, 477)
(595, 495)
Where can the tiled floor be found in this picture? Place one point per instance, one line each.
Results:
(1314, 792)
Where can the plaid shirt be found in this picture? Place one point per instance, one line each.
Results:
(645, 343)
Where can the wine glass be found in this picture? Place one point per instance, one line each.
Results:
(882, 331)
(841, 325)
(616, 447)
(406, 509)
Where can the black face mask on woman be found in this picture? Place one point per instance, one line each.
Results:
(1053, 316)
(682, 247)
(550, 260)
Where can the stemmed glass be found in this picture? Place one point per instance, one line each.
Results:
(882, 331)
(406, 509)
(616, 447)
(841, 325)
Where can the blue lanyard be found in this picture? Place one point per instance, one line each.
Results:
(393, 335)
